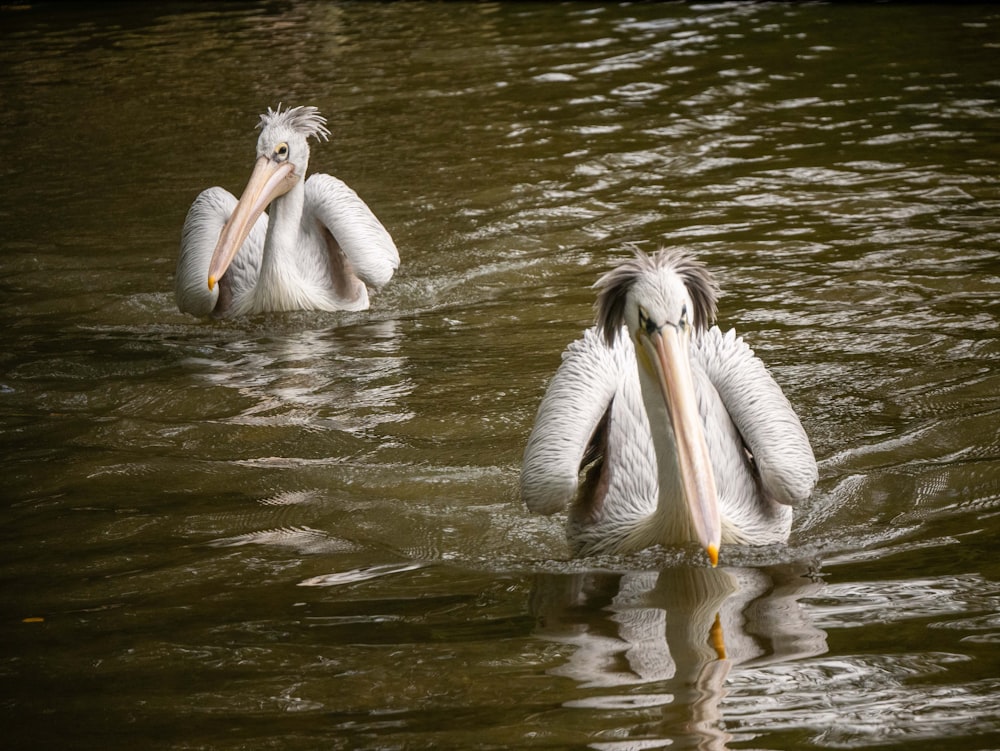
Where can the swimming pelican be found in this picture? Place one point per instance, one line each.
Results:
(684, 434)
(315, 251)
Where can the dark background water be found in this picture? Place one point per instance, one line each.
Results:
(302, 530)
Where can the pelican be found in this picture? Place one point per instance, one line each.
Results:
(684, 435)
(316, 249)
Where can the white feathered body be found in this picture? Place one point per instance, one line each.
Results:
(761, 458)
(328, 249)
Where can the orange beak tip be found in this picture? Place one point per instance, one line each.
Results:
(713, 555)
(211, 283)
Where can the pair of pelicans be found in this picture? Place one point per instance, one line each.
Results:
(679, 431)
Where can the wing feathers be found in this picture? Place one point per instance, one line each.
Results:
(761, 413)
(364, 241)
(573, 406)
(202, 227)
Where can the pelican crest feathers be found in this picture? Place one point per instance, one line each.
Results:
(304, 119)
(613, 288)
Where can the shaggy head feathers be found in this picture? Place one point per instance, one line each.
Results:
(306, 121)
(660, 268)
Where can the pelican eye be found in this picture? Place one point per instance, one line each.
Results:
(683, 322)
(281, 151)
(646, 323)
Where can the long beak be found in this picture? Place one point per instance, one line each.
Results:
(673, 373)
(268, 181)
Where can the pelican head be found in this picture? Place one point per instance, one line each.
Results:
(661, 299)
(282, 160)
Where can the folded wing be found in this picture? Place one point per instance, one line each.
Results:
(364, 246)
(762, 414)
(202, 227)
(573, 407)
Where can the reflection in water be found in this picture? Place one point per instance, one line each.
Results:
(297, 379)
(286, 402)
(677, 633)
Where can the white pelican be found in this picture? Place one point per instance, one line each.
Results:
(686, 436)
(315, 251)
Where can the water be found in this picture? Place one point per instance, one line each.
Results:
(302, 531)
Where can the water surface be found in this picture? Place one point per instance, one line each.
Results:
(302, 530)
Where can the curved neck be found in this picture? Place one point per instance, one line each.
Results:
(284, 225)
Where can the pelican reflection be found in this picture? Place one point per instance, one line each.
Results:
(678, 632)
(309, 378)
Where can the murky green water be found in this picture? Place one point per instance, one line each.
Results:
(302, 531)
